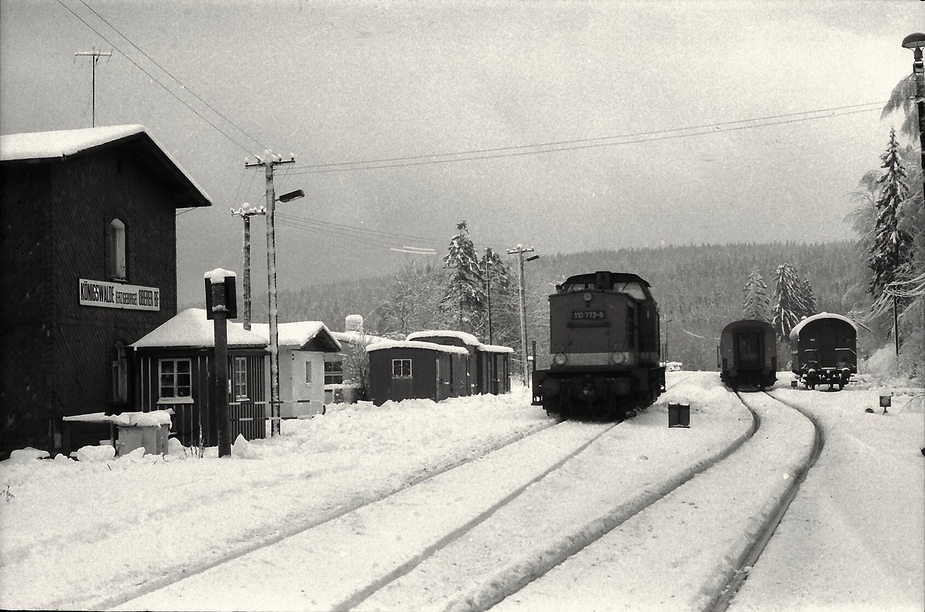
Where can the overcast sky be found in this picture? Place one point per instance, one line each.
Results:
(565, 126)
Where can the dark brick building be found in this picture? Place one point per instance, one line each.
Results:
(88, 267)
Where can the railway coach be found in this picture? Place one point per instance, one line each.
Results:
(824, 350)
(747, 354)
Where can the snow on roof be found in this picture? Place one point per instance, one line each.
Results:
(387, 344)
(297, 334)
(468, 339)
(63, 143)
(495, 348)
(191, 328)
(795, 332)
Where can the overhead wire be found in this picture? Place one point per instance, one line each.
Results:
(365, 236)
(585, 143)
(158, 81)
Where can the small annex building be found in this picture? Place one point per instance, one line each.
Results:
(403, 369)
(303, 348)
(488, 366)
(89, 255)
(173, 365)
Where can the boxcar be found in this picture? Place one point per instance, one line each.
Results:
(824, 350)
(748, 354)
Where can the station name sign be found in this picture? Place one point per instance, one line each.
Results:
(114, 295)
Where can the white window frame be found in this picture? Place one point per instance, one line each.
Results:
(402, 371)
(175, 385)
(117, 248)
(239, 377)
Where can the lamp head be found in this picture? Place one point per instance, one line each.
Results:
(292, 195)
(914, 41)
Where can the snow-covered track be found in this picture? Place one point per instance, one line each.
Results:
(495, 477)
(660, 559)
(751, 555)
(557, 518)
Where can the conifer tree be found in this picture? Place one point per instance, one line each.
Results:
(891, 252)
(793, 299)
(464, 294)
(757, 302)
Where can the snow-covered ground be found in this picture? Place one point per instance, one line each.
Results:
(306, 520)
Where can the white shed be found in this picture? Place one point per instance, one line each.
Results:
(302, 347)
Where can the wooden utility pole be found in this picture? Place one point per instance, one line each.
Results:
(269, 161)
(246, 213)
(95, 57)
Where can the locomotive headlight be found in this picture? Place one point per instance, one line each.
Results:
(560, 359)
(587, 297)
(618, 358)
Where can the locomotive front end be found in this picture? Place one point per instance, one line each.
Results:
(604, 348)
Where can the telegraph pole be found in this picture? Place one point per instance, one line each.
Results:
(519, 250)
(246, 213)
(95, 57)
(269, 162)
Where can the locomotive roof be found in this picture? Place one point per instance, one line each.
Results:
(795, 332)
(615, 277)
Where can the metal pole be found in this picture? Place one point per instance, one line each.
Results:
(94, 58)
(220, 314)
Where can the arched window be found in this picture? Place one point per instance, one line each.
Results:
(117, 249)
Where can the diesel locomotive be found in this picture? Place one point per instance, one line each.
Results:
(604, 345)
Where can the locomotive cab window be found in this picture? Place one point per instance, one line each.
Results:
(633, 289)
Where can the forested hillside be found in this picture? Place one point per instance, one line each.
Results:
(699, 289)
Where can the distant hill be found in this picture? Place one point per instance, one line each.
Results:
(699, 289)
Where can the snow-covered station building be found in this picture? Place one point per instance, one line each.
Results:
(89, 267)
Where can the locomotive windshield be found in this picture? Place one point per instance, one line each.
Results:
(632, 288)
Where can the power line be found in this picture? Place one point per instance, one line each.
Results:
(586, 143)
(162, 85)
(362, 236)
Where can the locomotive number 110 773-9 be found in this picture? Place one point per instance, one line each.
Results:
(587, 315)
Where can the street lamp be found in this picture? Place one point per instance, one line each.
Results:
(916, 42)
(292, 195)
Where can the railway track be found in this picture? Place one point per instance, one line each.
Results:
(659, 558)
(750, 556)
(554, 454)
